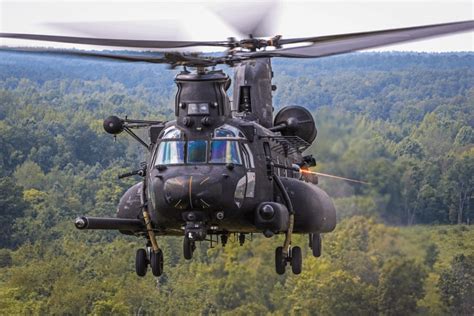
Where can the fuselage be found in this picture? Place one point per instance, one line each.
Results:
(221, 174)
(212, 170)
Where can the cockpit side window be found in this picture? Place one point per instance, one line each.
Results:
(245, 155)
(248, 156)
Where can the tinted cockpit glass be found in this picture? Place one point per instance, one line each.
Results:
(228, 131)
(197, 151)
(172, 133)
(170, 152)
(224, 151)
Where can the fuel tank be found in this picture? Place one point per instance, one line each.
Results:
(130, 205)
(314, 209)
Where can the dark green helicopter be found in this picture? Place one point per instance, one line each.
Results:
(227, 167)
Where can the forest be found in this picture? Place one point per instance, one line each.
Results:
(403, 122)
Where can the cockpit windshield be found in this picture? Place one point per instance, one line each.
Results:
(170, 152)
(197, 151)
(223, 148)
(224, 151)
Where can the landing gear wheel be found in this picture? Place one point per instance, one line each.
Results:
(156, 262)
(316, 244)
(188, 248)
(141, 262)
(280, 261)
(296, 260)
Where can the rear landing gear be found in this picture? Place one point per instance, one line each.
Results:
(294, 257)
(315, 243)
(188, 248)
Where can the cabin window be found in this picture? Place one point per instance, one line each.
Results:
(225, 151)
(170, 152)
(197, 151)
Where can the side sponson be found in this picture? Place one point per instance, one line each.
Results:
(130, 205)
(314, 209)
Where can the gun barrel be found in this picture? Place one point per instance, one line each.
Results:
(86, 222)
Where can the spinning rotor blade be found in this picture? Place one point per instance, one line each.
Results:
(113, 42)
(258, 21)
(133, 29)
(345, 43)
(174, 59)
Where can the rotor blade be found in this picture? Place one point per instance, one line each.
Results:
(333, 177)
(78, 53)
(345, 43)
(259, 21)
(166, 58)
(112, 42)
(135, 29)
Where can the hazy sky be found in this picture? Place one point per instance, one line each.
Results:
(197, 20)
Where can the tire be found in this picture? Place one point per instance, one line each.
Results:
(156, 262)
(141, 263)
(188, 248)
(280, 261)
(316, 245)
(296, 260)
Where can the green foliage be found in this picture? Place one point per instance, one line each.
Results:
(5, 258)
(12, 206)
(401, 286)
(431, 256)
(457, 286)
(403, 123)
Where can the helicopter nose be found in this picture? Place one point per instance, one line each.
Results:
(192, 192)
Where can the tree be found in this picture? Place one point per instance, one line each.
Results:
(12, 206)
(401, 286)
(459, 186)
(457, 286)
(29, 175)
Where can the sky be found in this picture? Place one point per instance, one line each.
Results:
(197, 20)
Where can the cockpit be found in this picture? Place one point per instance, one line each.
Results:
(224, 147)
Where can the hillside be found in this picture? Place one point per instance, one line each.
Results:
(402, 122)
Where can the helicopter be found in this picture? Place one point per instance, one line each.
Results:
(226, 167)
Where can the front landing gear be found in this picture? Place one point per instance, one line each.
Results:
(154, 259)
(294, 257)
(156, 262)
(141, 262)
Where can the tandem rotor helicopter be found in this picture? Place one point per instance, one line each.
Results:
(225, 167)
